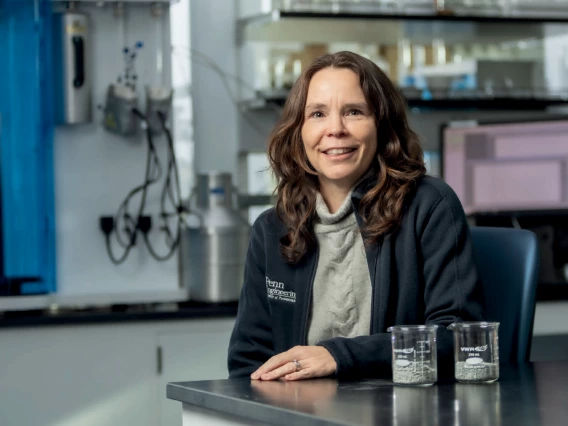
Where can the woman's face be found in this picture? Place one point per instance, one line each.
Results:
(339, 132)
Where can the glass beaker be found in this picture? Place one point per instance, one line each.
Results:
(476, 351)
(414, 355)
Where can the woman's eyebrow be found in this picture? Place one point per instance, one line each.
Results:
(315, 105)
(357, 105)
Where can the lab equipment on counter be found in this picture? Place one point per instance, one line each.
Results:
(414, 354)
(476, 351)
(212, 255)
(72, 76)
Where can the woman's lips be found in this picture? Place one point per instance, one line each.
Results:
(339, 153)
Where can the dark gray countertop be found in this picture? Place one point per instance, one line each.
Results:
(532, 394)
(118, 313)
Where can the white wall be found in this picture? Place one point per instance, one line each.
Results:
(94, 170)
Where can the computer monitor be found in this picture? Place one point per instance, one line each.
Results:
(512, 166)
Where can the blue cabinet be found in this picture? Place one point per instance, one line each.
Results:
(27, 249)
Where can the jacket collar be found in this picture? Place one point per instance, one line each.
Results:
(368, 181)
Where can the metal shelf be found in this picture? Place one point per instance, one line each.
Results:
(522, 11)
(440, 100)
(414, 15)
(389, 28)
(496, 103)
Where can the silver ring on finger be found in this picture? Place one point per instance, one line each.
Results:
(297, 364)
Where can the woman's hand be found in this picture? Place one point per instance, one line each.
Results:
(311, 361)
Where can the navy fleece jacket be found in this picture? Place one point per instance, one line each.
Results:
(423, 273)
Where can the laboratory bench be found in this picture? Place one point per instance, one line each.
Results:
(118, 314)
(123, 357)
(529, 394)
(547, 295)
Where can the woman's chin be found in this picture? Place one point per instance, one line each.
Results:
(342, 177)
(340, 180)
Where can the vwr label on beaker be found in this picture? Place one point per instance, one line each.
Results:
(476, 349)
(404, 351)
(402, 356)
(474, 356)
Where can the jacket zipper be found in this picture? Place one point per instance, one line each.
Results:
(309, 305)
(373, 275)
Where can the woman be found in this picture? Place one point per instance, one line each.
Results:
(360, 239)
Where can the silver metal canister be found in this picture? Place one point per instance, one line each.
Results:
(72, 72)
(212, 256)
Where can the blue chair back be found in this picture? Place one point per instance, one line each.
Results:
(508, 262)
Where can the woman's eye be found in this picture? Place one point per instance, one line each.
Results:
(317, 114)
(355, 112)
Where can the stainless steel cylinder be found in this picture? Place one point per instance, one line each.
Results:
(212, 256)
(212, 263)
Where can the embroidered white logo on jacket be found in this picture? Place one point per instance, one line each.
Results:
(275, 290)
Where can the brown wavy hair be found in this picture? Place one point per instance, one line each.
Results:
(397, 164)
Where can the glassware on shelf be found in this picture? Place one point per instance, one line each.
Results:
(263, 75)
(279, 77)
(459, 53)
(439, 50)
(418, 56)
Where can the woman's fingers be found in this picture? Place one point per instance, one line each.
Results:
(287, 368)
(299, 375)
(312, 361)
(275, 362)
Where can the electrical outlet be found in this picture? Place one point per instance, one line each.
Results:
(107, 224)
(144, 224)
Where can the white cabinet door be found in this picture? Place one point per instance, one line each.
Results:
(78, 375)
(195, 350)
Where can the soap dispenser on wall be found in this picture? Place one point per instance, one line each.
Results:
(72, 73)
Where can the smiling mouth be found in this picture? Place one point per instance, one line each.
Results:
(339, 151)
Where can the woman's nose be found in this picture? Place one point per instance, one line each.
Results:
(336, 126)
